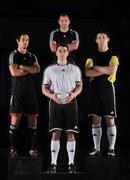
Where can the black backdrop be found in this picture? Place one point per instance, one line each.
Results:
(39, 23)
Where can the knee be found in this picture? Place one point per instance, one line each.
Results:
(56, 134)
(70, 136)
(110, 122)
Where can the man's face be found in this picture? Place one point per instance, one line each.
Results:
(23, 42)
(102, 39)
(64, 22)
(62, 52)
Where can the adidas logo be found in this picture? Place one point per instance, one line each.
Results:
(75, 127)
(112, 112)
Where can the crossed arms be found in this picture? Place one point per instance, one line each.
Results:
(21, 70)
(100, 70)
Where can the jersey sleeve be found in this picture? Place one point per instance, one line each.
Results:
(114, 60)
(13, 58)
(78, 75)
(34, 57)
(76, 35)
(46, 80)
(52, 35)
(89, 63)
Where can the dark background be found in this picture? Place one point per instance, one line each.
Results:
(39, 17)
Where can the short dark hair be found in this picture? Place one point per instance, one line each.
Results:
(64, 14)
(63, 45)
(21, 34)
(104, 32)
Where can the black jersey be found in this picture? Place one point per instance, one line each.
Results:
(22, 84)
(64, 37)
(103, 59)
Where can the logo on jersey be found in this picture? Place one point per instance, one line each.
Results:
(112, 112)
(75, 127)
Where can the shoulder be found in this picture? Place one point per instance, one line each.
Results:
(91, 54)
(73, 31)
(74, 67)
(31, 55)
(54, 31)
(113, 52)
(114, 57)
(49, 68)
(13, 56)
(14, 52)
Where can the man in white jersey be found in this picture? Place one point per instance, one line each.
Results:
(62, 82)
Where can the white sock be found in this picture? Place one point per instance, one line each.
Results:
(111, 133)
(71, 146)
(97, 133)
(55, 147)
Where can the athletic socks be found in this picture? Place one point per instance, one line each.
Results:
(111, 133)
(71, 146)
(97, 133)
(55, 147)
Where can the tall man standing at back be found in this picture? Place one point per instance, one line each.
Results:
(64, 35)
(23, 65)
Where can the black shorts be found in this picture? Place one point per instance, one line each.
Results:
(23, 104)
(101, 100)
(63, 116)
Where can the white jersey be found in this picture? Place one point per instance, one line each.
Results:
(62, 78)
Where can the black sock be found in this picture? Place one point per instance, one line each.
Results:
(31, 138)
(12, 137)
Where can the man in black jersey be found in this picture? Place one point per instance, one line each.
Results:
(101, 67)
(64, 35)
(23, 65)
